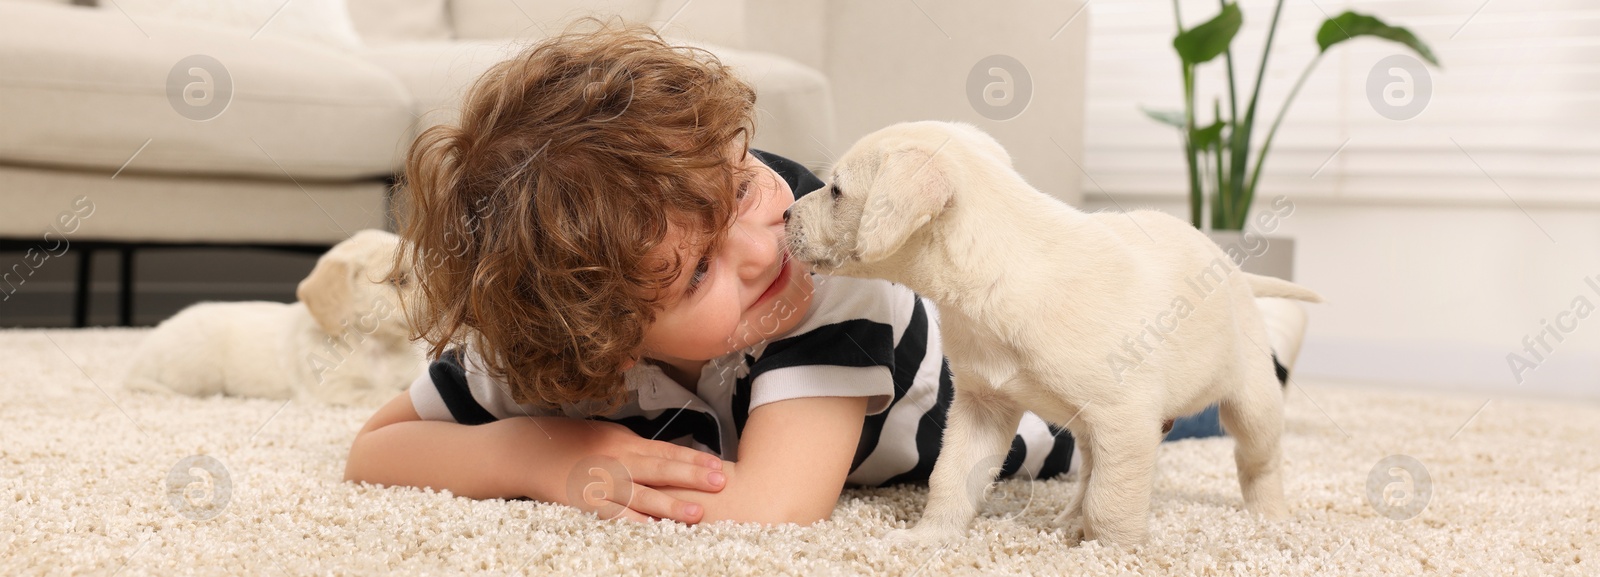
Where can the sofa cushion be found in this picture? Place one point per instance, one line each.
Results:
(91, 88)
(326, 21)
(533, 19)
(794, 102)
(385, 21)
(438, 74)
(135, 207)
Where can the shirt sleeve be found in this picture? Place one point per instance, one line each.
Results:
(456, 389)
(848, 348)
(875, 382)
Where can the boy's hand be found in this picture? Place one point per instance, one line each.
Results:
(619, 477)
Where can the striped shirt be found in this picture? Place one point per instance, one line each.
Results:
(859, 337)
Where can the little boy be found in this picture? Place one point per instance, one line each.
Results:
(601, 275)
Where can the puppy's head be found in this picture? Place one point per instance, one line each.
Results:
(885, 191)
(356, 286)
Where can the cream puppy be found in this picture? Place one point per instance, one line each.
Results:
(346, 342)
(1108, 324)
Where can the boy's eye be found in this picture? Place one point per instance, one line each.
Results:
(699, 274)
(705, 261)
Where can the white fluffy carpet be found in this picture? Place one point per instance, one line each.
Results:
(84, 463)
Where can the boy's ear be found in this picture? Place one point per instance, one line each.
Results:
(635, 359)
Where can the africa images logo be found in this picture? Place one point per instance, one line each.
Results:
(1539, 345)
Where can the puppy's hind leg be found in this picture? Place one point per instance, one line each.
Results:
(981, 423)
(1253, 415)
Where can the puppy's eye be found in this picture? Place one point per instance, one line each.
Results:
(834, 190)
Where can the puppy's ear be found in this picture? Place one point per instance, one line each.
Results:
(326, 293)
(909, 191)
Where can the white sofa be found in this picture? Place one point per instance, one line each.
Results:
(83, 90)
(304, 150)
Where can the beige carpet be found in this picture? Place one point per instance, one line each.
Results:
(84, 464)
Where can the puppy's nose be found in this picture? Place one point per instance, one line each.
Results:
(786, 215)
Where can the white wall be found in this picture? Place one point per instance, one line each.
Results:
(1427, 235)
(897, 61)
(1434, 296)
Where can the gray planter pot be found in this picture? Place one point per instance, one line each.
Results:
(1264, 255)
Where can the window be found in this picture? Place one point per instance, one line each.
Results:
(1518, 100)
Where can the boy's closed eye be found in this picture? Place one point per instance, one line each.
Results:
(703, 264)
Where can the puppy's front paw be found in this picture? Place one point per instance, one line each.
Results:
(1068, 523)
(921, 535)
(1270, 512)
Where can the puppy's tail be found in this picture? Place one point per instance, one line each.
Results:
(1266, 286)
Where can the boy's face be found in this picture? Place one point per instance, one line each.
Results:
(749, 290)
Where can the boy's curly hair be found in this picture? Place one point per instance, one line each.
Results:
(530, 221)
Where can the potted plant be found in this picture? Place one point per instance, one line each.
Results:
(1222, 148)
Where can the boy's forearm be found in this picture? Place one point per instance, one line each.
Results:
(531, 457)
(506, 459)
(744, 500)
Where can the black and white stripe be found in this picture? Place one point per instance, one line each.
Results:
(902, 444)
(871, 338)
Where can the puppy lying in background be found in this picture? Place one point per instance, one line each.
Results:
(1107, 324)
(346, 341)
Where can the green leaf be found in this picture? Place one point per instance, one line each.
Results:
(1208, 40)
(1173, 118)
(1203, 138)
(1350, 25)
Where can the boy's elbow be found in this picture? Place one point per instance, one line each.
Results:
(803, 505)
(356, 461)
(770, 512)
(801, 510)
(351, 471)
